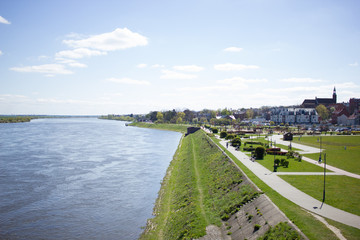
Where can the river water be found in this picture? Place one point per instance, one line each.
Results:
(80, 178)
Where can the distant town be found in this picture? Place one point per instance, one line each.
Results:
(318, 111)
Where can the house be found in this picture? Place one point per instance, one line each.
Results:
(294, 115)
(340, 109)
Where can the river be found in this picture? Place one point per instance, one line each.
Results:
(80, 178)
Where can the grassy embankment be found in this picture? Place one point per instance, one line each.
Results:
(168, 127)
(15, 119)
(308, 224)
(201, 187)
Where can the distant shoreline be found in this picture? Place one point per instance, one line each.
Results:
(28, 118)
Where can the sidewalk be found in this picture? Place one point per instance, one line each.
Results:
(293, 194)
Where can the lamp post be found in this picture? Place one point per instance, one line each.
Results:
(324, 181)
(320, 150)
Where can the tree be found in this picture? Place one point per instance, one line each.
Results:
(249, 113)
(225, 112)
(159, 116)
(179, 117)
(323, 112)
(152, 116)
(169, 115)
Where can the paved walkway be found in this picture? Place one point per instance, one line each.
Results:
(293, 194)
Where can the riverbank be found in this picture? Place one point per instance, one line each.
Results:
(160, 126)
(15, 119)
(203, 190)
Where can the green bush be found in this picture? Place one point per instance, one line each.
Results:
(259, 152)
(281, 231)
(277, 162)
(257, 227)
(236, 142)
(214, 130)
(286, 164)
(230, 136)
(223, 134)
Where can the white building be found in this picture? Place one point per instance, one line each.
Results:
(294, 115)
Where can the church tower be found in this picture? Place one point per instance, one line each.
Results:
(334, 95)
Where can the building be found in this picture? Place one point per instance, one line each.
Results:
(294, 115)
(313, 103)
(354, 105)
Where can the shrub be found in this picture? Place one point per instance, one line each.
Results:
(282, 161)
(230, 136)
(214, 130)
(259, 152)
(257, 227)
(223, 134)
(236, 142)
(286, 164)
(277, 162)
(249, 149)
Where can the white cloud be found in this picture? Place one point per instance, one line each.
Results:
(117, 40)
(189, 68)
(233, 67)
(77, 64)
(239, 80)
(71, 63)
(167, 74)
(79, 53)
(45, 68)
(142, 65)
(301, 80)
(3, 20)
(355, 64)
(128, 81)
(158, 66)
(1, 53)
(233, 49)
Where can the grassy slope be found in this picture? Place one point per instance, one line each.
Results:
(201, 188)
(168, 127)
(336, 155)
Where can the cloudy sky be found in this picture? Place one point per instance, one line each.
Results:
(100, 57)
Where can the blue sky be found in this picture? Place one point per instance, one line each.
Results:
(100, 57)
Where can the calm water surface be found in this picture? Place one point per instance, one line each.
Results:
(80, 178)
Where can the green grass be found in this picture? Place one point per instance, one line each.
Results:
(336, 155)
(202, 187)
(310, 226)
(294, 165)
(350, 233)
(265, 141)
(341, 191)
(161, 126)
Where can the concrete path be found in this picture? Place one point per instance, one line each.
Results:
(293, 194)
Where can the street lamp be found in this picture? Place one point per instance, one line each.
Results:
(324, 181)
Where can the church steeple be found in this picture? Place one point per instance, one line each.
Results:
(334, 95)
